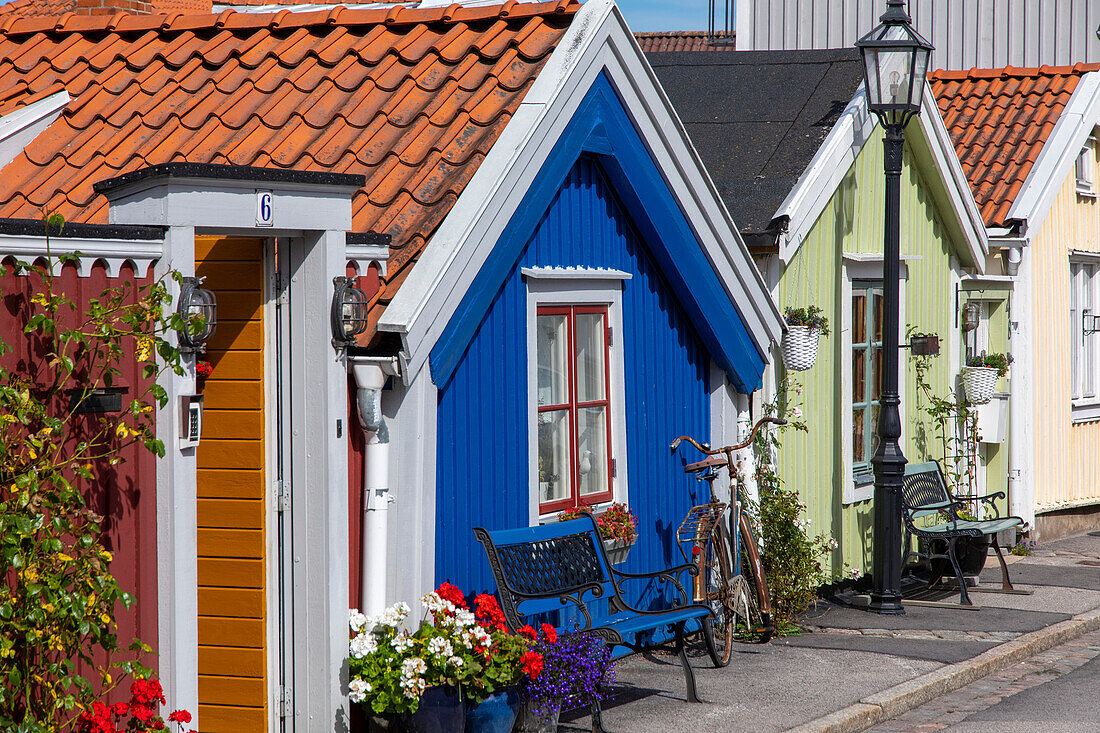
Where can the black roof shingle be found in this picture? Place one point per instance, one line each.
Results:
(758, 117)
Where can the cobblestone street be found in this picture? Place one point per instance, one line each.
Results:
(946, 712)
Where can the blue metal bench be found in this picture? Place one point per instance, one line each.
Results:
(560, 565)
(925, 494)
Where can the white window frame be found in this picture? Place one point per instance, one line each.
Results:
(549, 286)
(861, 267)
(1084, 297)
(1084, 169)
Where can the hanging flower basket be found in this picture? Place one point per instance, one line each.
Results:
(979, 383)
(617, 550)
(799, 345)
(799, 348)
(981, 374)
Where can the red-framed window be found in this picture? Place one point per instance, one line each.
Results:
(573, 356)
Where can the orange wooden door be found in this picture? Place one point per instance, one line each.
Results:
(233, 680)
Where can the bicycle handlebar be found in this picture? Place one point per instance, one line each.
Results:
(703, 448)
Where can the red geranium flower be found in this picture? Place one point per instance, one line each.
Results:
(532, 664)
(450, 593)
(120, 709)
(179, 716)
(529, 632)
(550, 633)
(489, 613)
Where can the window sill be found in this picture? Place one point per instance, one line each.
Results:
(860, 488)
(1082, 412)
(1086, 192)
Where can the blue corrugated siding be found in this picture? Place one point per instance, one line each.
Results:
(482, 477)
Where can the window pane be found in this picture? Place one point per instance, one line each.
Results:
(859, 318)
(857, 436)
(591, 353)
(859, 364)
(592, 450)
(877, 298)
(552, 346)
(876, 372)
(554, 476)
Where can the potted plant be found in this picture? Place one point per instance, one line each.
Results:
(493, 698)
(416, 681)
(799, 345)
(980, 376)
(618, 527)
(576, 673)
(203, 370)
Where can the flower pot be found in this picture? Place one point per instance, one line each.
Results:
(442, 710)
(979, 383)
(617, 550)
(530, 720)
(495, 714)
(799, 347)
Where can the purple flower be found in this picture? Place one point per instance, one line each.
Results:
(576, 672)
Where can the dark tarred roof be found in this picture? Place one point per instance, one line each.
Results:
(682, 41)
(412, 99)
(999, 120)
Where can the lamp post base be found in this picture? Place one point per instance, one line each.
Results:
(888, 604)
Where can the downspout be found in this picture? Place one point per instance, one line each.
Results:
(370, 377)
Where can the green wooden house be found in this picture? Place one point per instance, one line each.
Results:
(798, 160)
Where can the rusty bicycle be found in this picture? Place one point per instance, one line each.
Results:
(722, 546)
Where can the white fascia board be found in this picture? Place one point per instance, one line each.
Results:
(112, 253)
(954, 179)
(19, 128)
(821, 178)
(1063, 146)
(597, 41)
(832, 161)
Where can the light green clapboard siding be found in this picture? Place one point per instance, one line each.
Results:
(852, 222)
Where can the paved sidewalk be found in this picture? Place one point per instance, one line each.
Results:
(856, 669)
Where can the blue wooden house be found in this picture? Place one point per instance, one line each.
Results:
(585, 300)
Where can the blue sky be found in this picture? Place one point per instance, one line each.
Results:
(666, 15)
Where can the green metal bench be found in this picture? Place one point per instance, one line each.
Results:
(925, 494)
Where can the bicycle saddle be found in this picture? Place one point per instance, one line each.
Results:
(705, 464)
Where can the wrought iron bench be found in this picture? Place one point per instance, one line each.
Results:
(555, 566)
(925, 494)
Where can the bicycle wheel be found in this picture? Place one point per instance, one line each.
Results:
(714, 567)
(751, 600)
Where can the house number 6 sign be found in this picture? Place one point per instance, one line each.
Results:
(264, 209)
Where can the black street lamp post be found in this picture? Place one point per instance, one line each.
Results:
(895, 62)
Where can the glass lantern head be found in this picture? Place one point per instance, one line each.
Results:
(198, 309)
(895, 63)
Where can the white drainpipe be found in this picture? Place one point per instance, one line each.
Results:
(1021, 474)
(370, 376)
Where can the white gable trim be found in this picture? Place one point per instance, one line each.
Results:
(597, 41)
(1067, 138)
(19, 128)
(833, 160)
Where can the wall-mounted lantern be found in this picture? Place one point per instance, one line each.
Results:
(971, 316)
(349, 312)
(199, 311)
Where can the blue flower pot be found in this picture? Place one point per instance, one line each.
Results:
(441, 710)
(495, 714)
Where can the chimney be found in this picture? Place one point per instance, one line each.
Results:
(156, 7)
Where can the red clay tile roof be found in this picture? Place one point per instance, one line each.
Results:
(413, 99)
(36, 7)
(680, 41)
(999, 120)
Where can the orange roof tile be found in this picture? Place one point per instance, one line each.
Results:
(412, 99)
(682, 41)
(999, 120)
(36, 7)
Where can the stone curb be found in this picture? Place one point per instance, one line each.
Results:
(919, 690)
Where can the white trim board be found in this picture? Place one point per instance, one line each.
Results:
(112, 253)
(1058, 155)
(20, 127)
(827, 169)
(598, 41)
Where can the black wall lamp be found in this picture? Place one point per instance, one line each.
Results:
(349, 312)
(199, 310)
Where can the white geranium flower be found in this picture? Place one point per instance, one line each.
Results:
(358, 689)
(401, 642)
(362, 645)
(440, 647)
(356, 620)
(455, 661)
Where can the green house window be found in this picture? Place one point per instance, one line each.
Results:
(866, 372)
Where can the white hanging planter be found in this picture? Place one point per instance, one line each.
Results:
(799, 347)
(979, 383)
